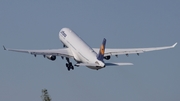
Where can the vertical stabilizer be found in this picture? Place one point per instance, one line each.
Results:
(100, 56)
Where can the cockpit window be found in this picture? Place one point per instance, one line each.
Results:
(63, 33)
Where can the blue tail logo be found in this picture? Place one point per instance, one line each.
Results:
(100, 56)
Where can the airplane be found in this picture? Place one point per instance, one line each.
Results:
(93, 58)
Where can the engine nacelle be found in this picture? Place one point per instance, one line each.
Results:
(107, 57)
(51, 57)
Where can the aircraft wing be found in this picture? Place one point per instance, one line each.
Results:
(66, 52)
(109, 52)
(107, 64)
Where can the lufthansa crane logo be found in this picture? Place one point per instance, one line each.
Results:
(102, 49)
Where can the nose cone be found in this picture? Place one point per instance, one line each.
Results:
(63, 29)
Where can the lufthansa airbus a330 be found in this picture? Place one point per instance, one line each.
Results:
(83, 54)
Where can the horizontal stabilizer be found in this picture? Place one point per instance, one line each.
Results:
(174, 45)
(86, 64)
(107, 64)
(118, 64)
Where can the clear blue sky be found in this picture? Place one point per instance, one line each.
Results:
(155, 76)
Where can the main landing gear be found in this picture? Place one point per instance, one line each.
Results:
(69, 65)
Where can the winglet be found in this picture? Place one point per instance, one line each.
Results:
(174, 45)
(4, 47)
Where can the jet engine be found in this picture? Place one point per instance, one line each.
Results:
(107, 57)
(51, 57)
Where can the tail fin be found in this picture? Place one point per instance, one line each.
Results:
(100, 56)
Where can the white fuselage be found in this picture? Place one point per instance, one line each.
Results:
(81, 51)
